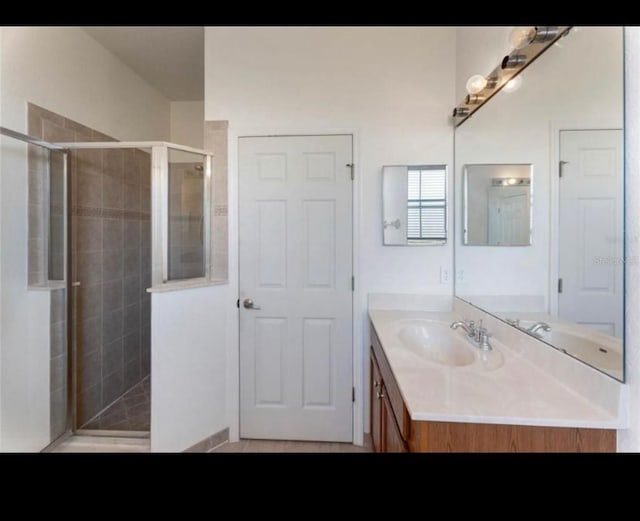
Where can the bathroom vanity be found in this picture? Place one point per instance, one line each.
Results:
(432, 391)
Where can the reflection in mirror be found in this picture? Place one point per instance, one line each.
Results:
(497, 205)
(414, 205)
(566, 121)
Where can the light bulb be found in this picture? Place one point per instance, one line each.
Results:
(476, 83)
(513, 84)
(521, 36)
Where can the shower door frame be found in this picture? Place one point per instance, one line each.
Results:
(159, 246)
(159, 250)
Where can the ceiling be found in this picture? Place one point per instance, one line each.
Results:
(169, 58)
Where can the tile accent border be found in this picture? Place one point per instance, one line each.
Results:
(210, 442)
(110, 213)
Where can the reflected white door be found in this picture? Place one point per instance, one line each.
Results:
(296, 266)
(509, 215)
(590, 219)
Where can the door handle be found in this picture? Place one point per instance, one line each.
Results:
(248, 304)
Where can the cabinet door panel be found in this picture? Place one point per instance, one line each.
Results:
(376, 403)
(393, 441)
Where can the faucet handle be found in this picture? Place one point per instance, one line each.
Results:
(483, 339)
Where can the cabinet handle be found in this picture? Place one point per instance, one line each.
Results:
(375, 384)
(379, 395)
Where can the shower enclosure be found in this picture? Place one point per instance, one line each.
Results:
(117, 219)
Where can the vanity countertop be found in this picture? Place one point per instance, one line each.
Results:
(517, 393)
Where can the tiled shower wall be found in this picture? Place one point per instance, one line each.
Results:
(111, 260)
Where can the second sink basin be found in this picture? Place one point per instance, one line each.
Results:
(436, 342)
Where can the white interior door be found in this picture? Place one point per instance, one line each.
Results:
(296, 266)
(590, 229)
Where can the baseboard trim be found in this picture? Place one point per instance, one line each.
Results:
(210, 442)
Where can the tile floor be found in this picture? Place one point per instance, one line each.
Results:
(130, 412)
(103, 444)
(291, 446)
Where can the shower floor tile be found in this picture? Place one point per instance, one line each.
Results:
(130, 412)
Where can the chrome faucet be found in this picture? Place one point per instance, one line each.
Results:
(469, 327)
(537, 326)
(480, 335)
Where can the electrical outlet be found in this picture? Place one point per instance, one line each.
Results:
(444, 275)
(459, 276)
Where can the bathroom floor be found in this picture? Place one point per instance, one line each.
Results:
(291, 446)
(130, 412)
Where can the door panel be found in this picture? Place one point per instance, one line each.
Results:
(296, 266)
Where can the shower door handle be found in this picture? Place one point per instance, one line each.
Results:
(248, 304)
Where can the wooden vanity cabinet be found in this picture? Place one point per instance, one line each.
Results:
(376, 406)
(385, 433)
(392, 429)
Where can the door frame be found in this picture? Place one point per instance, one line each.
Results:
(554, 195)
(357, 322)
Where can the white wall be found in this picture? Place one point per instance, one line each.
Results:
(393, 87)
(629, 440)
(66, 71)
(517, 128)
(187, 123)
(187, 367)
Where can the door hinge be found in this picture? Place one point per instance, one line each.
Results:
(351, 166)
(561, 167)
(353, 394)
(353, 283)
(238, 303)
(559, 285)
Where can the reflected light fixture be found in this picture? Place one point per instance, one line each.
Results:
(476, 83)
(520, 37)
(513, 84)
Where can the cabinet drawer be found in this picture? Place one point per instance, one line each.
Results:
(392, 391)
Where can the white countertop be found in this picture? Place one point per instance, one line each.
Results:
(517, 393)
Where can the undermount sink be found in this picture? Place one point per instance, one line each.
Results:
(436, 343)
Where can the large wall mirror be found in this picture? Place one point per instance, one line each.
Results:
(553, 265)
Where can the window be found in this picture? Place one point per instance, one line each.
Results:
(427, 207)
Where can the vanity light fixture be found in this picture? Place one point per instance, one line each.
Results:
(545, 34)
(513, 61)
(476, 83)
(473, 99)
(528, 44)
(520, 37)
(513, 84)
